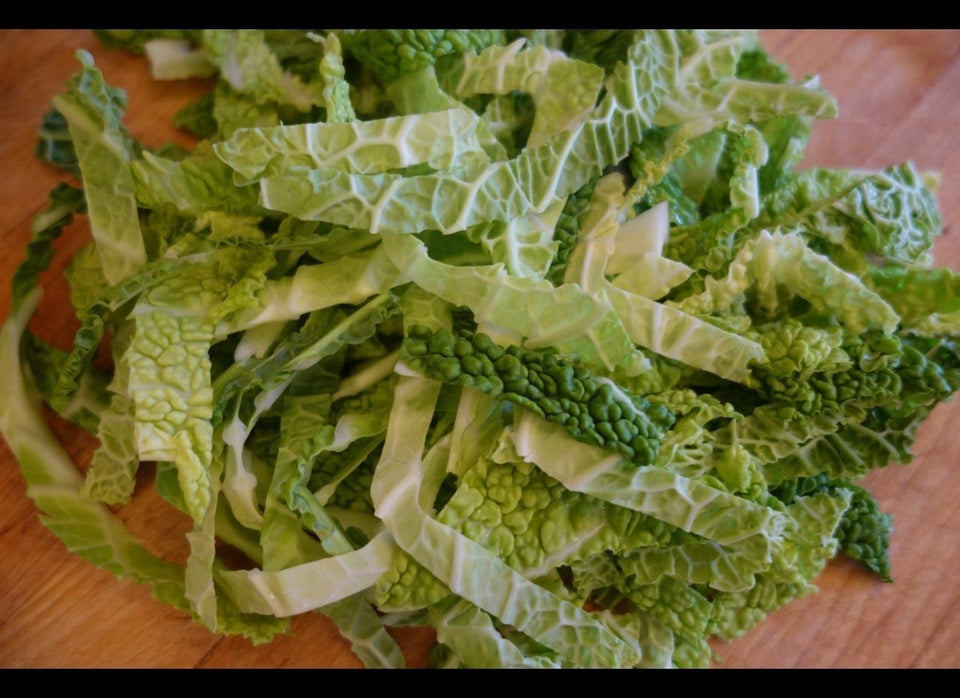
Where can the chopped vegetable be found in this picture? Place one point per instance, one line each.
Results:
(539, 338)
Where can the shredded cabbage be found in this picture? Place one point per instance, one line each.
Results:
(539, 338)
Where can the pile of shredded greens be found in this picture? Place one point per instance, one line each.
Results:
(542, 339)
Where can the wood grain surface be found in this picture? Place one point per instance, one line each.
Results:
(899, 97)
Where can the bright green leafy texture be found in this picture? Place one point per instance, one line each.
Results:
(592, 410)
(539, 337)
(93, 111)
(390, 54)
(864, 531)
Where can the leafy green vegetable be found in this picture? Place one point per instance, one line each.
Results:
(540, 338)
(593, 410)
(864, 531)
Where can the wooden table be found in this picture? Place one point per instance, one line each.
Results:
(899, 96)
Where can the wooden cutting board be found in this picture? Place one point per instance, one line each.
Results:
(899, 96)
